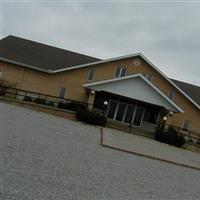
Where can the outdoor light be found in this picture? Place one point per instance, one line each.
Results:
(165, 118)
(92, 92)
(105, 103)
(171, 113)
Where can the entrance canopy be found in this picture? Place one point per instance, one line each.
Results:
(135, 87)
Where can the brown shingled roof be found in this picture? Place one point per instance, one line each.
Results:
(192, 91)
(39, 55)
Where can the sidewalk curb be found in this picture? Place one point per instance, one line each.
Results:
(151, 157)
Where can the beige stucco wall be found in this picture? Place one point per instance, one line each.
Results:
(73, 80)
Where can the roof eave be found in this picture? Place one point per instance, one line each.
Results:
(97, 63)
(24, 65)
(133, 76)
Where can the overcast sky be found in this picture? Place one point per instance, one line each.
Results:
(166, 33)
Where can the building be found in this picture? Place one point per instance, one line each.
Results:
(137, 92)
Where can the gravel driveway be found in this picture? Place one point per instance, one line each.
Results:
(44, 157)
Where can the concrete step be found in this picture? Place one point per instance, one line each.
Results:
(125, 128)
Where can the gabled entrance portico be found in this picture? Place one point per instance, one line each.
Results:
(132, 100)
(128, 111)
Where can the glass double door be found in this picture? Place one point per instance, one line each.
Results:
(126, 113)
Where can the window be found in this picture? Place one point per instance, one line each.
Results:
(120, 112)
(129, 113)
(171, 95)
(90, 75)
(150, 115)
(62, 92)
(123, 72)
(120, 71)
(186, 125)
(111, 109)
(138, 116)
(149, 77)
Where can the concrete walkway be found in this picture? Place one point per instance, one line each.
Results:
(150, 148)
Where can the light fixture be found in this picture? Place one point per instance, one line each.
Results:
(105, 103)
(171, 113)
(165, 118)
(92, 92)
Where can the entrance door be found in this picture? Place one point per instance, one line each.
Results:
(121, 111)
(111, 109)
(138, 116)
(129, 114)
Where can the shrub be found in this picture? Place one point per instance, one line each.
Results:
(91, 117)
(71, 106)
(27, 98)
(40, 101)
(2, 91)
(50, 103)
(171, 137)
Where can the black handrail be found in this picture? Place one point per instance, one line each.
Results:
(41, 98)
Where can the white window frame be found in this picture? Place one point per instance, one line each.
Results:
(89, 71)
(120, 72)
(189, 125)
(65, 92)
(149, 77)
(171, 94)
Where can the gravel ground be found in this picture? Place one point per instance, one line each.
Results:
(44, 157)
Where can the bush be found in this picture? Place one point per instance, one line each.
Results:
(171, 137)
(91, 117)
(2, 91)
(27, 98)
(40, 101)
(50, 103)
(71, 106)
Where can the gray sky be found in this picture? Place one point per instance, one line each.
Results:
(166, 33)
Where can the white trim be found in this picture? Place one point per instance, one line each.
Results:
(98, 62)
(25, 65)
(134, 76)
(125, 112)
(121, 68)
(116, 72)
(170, 81)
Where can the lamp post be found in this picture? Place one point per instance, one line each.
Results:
(105, 107)
(164, 122)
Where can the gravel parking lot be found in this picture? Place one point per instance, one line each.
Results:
(44, 157)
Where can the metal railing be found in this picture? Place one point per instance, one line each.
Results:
(190, 135)
(40, 98)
